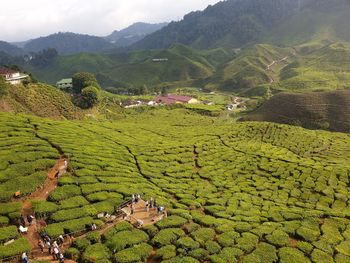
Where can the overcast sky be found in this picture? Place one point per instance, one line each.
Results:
(25, 19)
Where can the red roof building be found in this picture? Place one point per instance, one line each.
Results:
(173, 99)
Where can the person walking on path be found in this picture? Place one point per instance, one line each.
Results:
(56, 253)
(24, 257)
(132, 209)
(61, 260)
(48, 244)
(41, 245)
(151, 203)
(147, 206)
(61, 240)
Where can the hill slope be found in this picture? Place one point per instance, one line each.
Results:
(236, 23)
(135, 68)
(10, 49)
(325, 110)
(250, 192)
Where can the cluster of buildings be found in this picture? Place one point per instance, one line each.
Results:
(11, 76)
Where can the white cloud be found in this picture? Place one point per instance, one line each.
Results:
(26, 19)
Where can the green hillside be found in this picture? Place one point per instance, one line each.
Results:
(326, 68)
(315, 110)
(136, 68)
(253, 192)
(254, 66)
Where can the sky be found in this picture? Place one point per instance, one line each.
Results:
(25, 19)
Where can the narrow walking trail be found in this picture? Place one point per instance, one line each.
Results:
(41, 194)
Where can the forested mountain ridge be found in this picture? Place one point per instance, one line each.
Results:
(236, 23)
(133, 33)
(68, 43)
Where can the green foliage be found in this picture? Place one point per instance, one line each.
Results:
(278, 238)
(82, 80)
(89, 97)
(171, 221)
(263, 253)
(44, 208)
(65, 192)
(212, 247)
(8, 233)
(228, 239)
(181, 259)
(72, 253)
(96, 253)
(289, 255)
(187, 243)
(167, 236)
(3, 87)
(166, 252)
(124, 239)
(16, 248)
(203, 234)
(138, 253)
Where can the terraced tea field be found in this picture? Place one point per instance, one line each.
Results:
(234, 192)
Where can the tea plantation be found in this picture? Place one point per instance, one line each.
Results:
(234, 192)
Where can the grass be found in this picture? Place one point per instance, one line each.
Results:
(233, 190)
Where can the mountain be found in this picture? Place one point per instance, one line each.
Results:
(68, 43)
(133, 33)
(325, 110)
(10, 49)
(236, 23)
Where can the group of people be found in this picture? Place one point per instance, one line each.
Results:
(53, 246)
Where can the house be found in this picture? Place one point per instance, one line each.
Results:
(65, 84)
(175, 99)
(12, 76)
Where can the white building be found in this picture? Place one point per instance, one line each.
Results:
(11, 76)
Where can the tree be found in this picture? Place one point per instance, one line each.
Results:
(89, 97)
(82, 80)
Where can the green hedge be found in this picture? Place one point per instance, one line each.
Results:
(138, 253)
(167, 236)
(16, 248)
(96, 253)
(171, 222)
(166, 252)
(124, 239)
(65, 192)
(8, 233)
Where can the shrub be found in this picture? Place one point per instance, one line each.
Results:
(190, 227)
(138, 253)
(4, 220)
(151, 230)
(167, 236)
(263, 253)
(124, 239)
(305, 247)
(93, 237)
(166, 252)
(308, 234)
(16, 248)
(212, 247)
(180, 259)
(321, 257)
(228, 239)
(81, 243)
(43, 208)
(72, 253)
(171, 222)
(73, 202)
(230, 254)
(292, 255)
(8, 233)
(344, 248)
(200, 254)
(278, 238)
(247, 242)
(341, 258)
(187, 242)
(203, 234)
(64, 192)
(96, 253)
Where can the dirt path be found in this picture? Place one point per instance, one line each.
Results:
(41, 194)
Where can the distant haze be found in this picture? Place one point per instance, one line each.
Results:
(25, 19)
